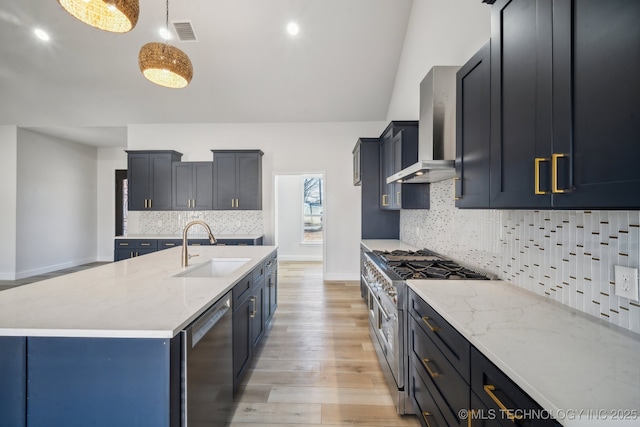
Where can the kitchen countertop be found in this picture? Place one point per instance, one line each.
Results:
(565, 360)
(134, 298)
(194, 236)
(387, 245)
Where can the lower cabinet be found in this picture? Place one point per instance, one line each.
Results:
(252, 312)
(451, 383)
(271, 287)
(130, 248)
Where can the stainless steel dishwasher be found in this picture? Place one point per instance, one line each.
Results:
(207, 368)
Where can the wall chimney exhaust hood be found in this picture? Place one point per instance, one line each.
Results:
(436, 129)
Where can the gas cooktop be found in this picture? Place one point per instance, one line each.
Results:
(424, 264)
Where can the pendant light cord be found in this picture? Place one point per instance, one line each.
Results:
(167, 23)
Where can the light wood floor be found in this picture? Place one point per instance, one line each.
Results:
(317, 366)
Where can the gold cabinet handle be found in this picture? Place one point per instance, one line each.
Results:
(131, 254)
(237, 203)
(398, 198)
(233, 203)
(385, 202)
(425, 417)
(455, 196)
(425, 319)
(145, 244)
(536, 168)
(433, 374)
(254, 311)
(554, 173)
(145, 203)
(169, 244)
(489, 389)
(188, 203)
(123, 244)
(150, 203)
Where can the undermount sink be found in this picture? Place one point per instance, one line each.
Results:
(215, 267)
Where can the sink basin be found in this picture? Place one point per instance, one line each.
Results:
(215, 267)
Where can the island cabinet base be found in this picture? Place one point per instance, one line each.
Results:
(102, 382)
(13, 383)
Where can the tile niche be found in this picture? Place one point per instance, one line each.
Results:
(567, 256)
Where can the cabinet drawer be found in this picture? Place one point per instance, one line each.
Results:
(147, 244)
(235, 242)
(136, 244)
(199, 242)
(491, 385)
(454, 346)
(445, 384)
(241, 290)
(258, 273)
(422, 401)
(168, 243)
(125, 244)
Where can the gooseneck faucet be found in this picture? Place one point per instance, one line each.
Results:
(185, 254)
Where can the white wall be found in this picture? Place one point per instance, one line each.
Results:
(290, 221)
(8, 181)
(56, 204)
(109, 159)
(440, 32)
(288, 148)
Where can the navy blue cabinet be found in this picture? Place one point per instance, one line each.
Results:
(237, 178)
(192, 186)
(473, 133)
(149, 179)
(565, 116)
(13, 381)
(376, 223)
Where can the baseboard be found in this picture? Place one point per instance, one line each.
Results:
(50, 268)
(7, 276)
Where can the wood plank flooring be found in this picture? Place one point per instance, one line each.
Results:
(317, 366)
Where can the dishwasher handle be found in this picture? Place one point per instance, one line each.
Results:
(208, 320)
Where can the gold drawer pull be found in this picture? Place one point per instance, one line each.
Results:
(433, 374)
(384, 200)
(425, 319)
(123, 244)
(145, 244)
(489, 389)
(554, 173)
(455, 196)
(425, 417)
(536, 168)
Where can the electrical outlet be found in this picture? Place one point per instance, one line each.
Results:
(626, 282)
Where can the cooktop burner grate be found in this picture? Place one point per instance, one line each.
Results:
(424, 264)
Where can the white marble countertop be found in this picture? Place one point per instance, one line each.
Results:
(387, 245)
(134, 298)
(564, 359)
(194, 236)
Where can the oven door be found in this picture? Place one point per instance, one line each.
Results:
(384, 323)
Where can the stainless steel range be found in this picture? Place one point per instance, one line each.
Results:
(383, 275)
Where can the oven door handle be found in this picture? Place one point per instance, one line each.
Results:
(382, 310)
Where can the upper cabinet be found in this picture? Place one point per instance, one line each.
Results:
(149, 179)
(237, 177)
(565, 116)
(473, 133)
(192, 185)
(398, 150)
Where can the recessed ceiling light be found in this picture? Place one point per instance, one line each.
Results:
(293, 28)
(41, 34)
(164, 33)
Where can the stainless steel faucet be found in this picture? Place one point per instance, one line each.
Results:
(185, 254)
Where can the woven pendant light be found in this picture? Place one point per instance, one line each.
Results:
(165, 65)
(116, 16)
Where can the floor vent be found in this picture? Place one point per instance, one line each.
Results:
(185, 32)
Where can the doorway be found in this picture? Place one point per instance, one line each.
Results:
(121, 202)
(299, 216)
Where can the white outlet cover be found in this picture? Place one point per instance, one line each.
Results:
(626, 282)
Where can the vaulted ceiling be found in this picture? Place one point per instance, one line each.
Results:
(247, 68)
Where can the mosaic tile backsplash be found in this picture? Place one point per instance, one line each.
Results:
(568, 256)
(221, 222)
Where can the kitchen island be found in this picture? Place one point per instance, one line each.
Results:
(101, 346)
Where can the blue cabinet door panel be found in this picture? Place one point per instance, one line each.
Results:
(13, 383)
(98, 382)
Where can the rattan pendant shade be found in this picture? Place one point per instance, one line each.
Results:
(117, 16)
(165, 65)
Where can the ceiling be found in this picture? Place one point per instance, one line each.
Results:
(85, 84)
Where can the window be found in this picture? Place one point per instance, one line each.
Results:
(312, 210)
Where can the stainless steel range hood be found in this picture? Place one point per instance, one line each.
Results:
(437, 129)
